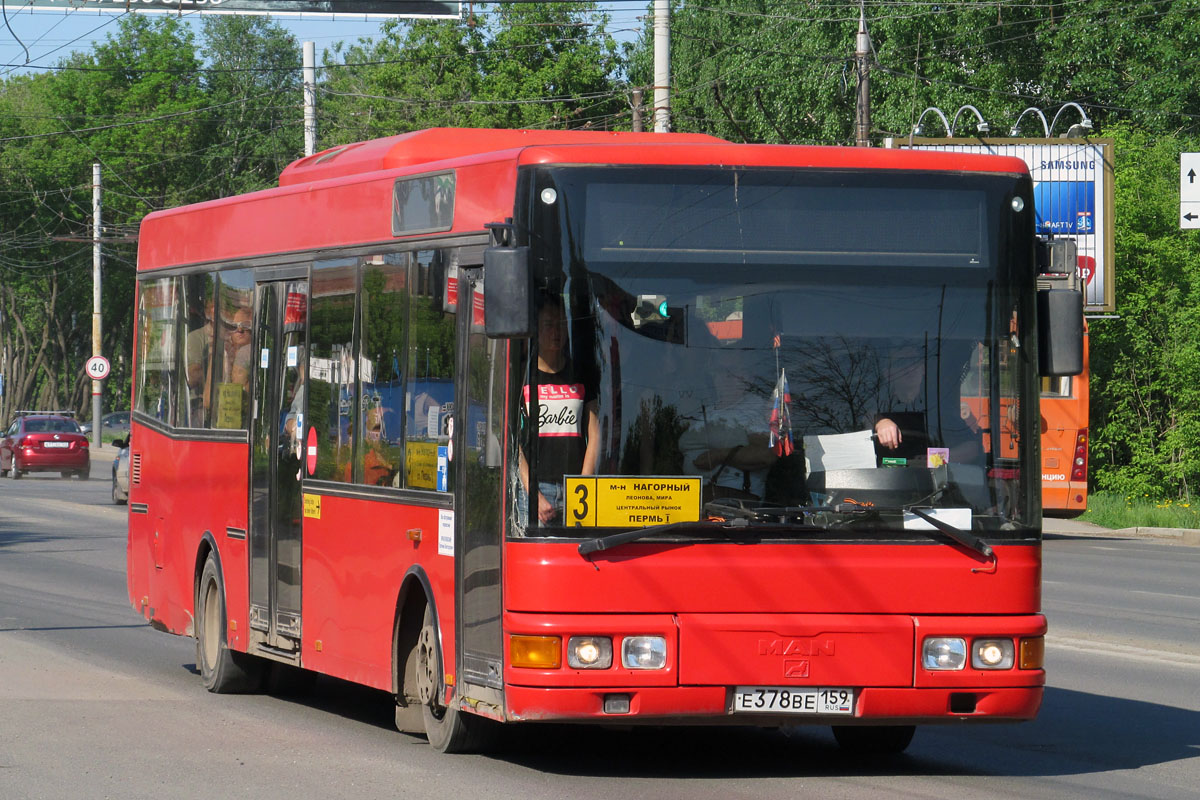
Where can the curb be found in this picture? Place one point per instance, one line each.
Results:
(1187, 536)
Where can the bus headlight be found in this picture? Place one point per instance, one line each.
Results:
(589, 652)
(944, 653)
(992, 654)
(644, 652)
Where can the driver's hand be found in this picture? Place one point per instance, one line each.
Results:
(546, 509)
(888, 433)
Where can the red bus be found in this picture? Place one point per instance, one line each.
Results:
(337, 465)
(1065, 442)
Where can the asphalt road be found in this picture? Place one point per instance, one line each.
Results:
(95, 704)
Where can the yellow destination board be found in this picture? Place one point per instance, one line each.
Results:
(624, 502)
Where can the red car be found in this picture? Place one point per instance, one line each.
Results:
(44, 443)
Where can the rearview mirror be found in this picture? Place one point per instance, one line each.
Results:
(1060, 332)
(507, 312)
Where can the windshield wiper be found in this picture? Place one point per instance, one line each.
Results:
(589, 546)
(763, 518)
(965, 538)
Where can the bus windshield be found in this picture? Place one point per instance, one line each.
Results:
(818, 349)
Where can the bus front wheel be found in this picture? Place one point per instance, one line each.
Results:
(448, 729)
(222, 670)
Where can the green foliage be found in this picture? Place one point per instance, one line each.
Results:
(521, 66)
(165, 132)
(777, 71)
(1146, 364)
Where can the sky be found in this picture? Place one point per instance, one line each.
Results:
(50, 34)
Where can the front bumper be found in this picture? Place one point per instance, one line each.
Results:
(709, 705)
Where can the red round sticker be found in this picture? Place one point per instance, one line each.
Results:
(312, 450)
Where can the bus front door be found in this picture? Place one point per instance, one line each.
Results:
(478, 508)
(276, 431)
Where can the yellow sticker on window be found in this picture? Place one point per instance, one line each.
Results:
(312, 506)
(624, 502)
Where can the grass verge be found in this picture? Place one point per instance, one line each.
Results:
(1117, 511)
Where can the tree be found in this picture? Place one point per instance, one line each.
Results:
(1146, 363)
(773, 71)
(254, 125)
(523, 65)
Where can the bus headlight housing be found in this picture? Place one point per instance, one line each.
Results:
(644, 652)
(944, 653)
(992, 654)
(589, 652)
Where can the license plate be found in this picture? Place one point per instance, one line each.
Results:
(56, 444)
(792, 700)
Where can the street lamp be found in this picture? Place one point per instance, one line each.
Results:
(1045, 127)
(919, 130)
(1079, 129)
(980, 128)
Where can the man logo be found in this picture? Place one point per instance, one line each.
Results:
(795, 669)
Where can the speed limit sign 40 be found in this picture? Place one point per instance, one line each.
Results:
(97, 368)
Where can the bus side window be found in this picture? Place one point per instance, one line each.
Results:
(383, 307)
(158, 334)
(199, 301)
(232, 345)
(332, 383)
(430, 393)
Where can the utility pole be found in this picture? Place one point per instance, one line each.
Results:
(662, 66)
(862, 108)
(638, 125)
(309, 77)
(97, 390)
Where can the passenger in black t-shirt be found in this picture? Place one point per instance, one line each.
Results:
(568, 425)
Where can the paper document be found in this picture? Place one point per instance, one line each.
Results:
(954, 517)
(830, 451)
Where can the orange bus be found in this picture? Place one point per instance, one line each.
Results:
(1064, 424)
(534, 426)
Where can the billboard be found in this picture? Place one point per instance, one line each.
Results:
(324, 8)
(1072, 196)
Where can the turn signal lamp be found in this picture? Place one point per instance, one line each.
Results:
(1033, 653)
(535, 652)
(944, 653)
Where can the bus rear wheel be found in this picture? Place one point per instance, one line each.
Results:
(448, 729)
(874, 739)
(222, 670)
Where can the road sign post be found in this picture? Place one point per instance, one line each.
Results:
(97, 368)
(1189, 190)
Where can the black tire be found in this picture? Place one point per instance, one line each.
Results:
(14, 473)
(222, 670)
(448, 729)
(874, 739)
